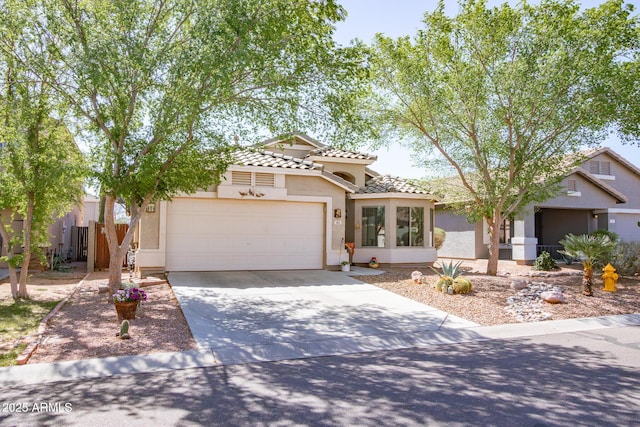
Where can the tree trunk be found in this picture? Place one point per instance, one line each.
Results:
(117, 251)
(7, 251)
(587, 280)
(26, 229)
(494, 244)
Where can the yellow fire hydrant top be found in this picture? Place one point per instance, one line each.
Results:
(610, 278)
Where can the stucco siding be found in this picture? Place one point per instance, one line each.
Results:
(355, 170)
(590, 196)
(626, 225)
(149, 230)
(462, 239)
(626, 181)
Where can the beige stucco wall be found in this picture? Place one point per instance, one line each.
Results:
(355, 170)
(149, 229)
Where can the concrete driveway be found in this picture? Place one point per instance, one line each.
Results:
(248, 316)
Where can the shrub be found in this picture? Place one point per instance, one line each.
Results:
(610, 234)
(567, 259)
(544, 262)
(626, 258)
(438, 237)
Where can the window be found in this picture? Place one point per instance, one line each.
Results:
(373, 226)
(506, 231)
(410, 226)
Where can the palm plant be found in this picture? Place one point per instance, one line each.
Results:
(590, 250)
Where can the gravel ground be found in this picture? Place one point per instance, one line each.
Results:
(487, 303)
(86, 326)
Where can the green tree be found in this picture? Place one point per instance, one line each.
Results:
(590, 250)
(41, 168)
(164, 88)
(501, 96)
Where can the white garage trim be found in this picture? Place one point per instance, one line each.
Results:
(219, 234)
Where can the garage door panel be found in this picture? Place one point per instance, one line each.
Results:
(233, 235)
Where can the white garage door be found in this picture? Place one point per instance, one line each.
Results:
(207, 235)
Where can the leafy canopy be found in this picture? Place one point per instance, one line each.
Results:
(503, 94)
(503, 98)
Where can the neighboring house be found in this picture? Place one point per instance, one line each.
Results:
(290, 205)
(602, 193)
(60, 231)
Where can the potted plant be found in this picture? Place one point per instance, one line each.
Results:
(345, 266)
(127, 300)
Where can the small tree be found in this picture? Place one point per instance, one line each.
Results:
(41, 169)
(503, 96)
(590, 250)
(162, 89)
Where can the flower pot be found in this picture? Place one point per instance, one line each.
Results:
(346, 267)
(126, 310)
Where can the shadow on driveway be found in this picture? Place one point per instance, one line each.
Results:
(274, 315)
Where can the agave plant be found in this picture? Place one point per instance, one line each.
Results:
(589, 249)
(449, 270)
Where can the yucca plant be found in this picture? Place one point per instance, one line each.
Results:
(589, 249)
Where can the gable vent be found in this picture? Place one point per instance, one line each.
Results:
(241, 178)
(572, 185)
(265, 179)
(599, 167)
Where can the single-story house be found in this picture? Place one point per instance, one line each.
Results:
(291, 204)
(601, 193)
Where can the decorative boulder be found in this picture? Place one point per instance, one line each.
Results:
(416, 276)
(103, 288)
(517, 284)
(553, 297)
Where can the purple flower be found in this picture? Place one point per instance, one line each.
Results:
(130, 295)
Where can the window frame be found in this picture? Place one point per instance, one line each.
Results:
(380, 218)
(411, 239)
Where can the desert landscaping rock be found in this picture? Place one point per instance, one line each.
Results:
(526, 305)
(518, 284)
(552, 297)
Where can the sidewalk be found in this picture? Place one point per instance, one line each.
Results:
(113, 366)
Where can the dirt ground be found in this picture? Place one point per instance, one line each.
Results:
(86, 326)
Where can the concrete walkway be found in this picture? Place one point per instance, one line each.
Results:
(250, 316)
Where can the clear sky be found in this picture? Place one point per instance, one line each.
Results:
(396, 18)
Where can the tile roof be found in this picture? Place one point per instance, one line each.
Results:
(271, 159)
(342, 154)
(390, 184)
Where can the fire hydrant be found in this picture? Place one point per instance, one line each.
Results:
(610, 278)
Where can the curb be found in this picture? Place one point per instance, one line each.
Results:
(23, 358)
